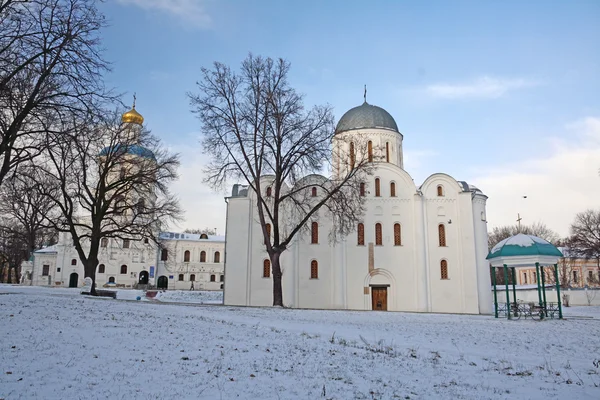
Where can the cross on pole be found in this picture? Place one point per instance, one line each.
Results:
(519, 221)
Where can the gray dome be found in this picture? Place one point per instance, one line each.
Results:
(366, 116)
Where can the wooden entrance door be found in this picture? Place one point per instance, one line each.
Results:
(379, 298)
(73, 279)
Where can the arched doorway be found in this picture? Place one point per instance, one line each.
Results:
(163, 282)
(73, 279)
(143, 279)
(381, 290)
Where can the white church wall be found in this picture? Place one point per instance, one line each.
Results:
(481, 243)
(452, 210)
(238, 255)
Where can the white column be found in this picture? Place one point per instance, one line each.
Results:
(484, 292)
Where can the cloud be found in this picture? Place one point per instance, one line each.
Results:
(558, 184)
(190, 11)
(484, 87)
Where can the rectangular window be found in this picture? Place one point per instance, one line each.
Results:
(125, 243)
(45, 270)
(164, 254)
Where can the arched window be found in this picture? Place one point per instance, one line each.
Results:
(180, 277)
(352, 157)
(266, 268)
(387, 151)
(186, 256)
(268, 229)
(440, 190)
(74, 261)
(111, 279)
(314, 269)
(202, 256)
(370, 150)
(269, 191)
(217, 257)
(164, 254)
(442, 235)
(222, 278)
(123, 269)
(397, 235)
(213, 278)
(314, 233)
(360, 231)
(362, 189)
(104, 242)
(444, 269)
(378, 237)
(192, 277)
(377, 187)
(101, 268)
(314, 192)
(525, 278)
(392, 189)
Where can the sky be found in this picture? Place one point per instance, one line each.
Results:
(503, 95)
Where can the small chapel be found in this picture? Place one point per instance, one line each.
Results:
(418, 248)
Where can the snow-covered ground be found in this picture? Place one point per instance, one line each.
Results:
(59, 344)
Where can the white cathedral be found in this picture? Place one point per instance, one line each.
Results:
(171, 261)
(417, 248)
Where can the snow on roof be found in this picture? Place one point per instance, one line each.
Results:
(191, 236)
(515, 245)
(49, 249)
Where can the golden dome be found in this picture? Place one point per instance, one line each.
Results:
(133, 117)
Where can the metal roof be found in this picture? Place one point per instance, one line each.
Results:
(366, 116)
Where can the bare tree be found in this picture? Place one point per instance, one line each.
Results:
(108, 180)
(585, 236)
(256, 129)
(51, 67)
(24, 211)
(539, 229)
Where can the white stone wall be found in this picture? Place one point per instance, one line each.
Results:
(411, 270)
(577, 297)
(175, 265)
(138, 257)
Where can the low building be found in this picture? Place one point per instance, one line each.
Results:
(174, 263)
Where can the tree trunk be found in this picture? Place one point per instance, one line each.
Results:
(277, 290)
(90, 272)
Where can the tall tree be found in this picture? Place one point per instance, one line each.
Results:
(24, 211)
(108, 180)
(585, 235)
(257, 130)
(51, 67)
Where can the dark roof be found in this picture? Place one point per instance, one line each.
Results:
(366, 116)
(132, 149)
